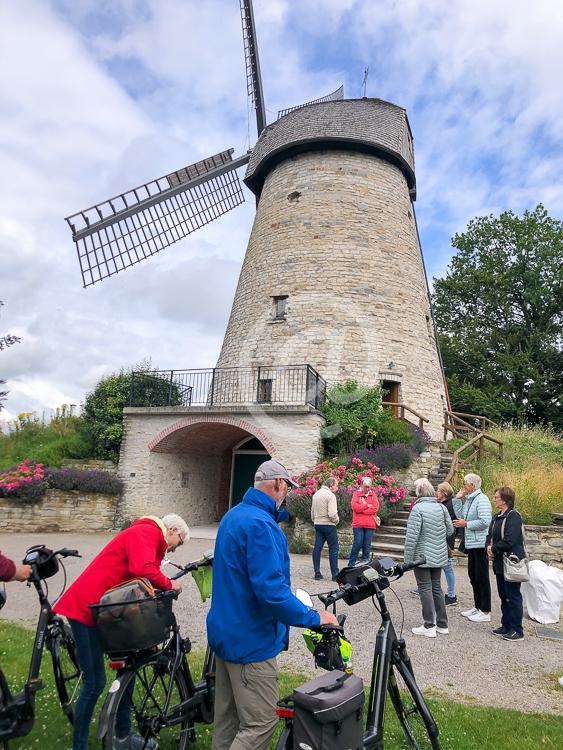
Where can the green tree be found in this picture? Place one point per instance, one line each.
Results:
(5, 342)
(499, 313)
(353, 416)
(103, 407)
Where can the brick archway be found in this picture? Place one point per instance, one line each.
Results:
(169, 440)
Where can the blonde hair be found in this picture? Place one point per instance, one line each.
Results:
(174, 521)
(423, 488)
(445, 488)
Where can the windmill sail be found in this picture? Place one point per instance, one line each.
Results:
(134, 225)
(338, 94)
(253, 77)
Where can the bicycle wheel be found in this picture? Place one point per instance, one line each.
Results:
(414, 715)
(68, 675)
(142, 695)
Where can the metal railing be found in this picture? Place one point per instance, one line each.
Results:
(228, 386)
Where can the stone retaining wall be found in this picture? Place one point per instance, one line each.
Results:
(60, 510)
(545, 543)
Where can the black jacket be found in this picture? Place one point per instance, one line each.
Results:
(513, 541)
(447, 503)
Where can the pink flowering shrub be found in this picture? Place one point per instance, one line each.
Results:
(25, 481)
(350, 475)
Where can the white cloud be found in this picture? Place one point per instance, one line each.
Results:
(104, 94)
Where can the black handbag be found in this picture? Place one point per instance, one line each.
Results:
(461, 532)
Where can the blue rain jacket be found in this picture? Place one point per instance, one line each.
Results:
(252, 605)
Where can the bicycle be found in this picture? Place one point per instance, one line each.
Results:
(392, 670)
(17, 711)
(157, 686)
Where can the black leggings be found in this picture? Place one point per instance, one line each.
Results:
(478, 570)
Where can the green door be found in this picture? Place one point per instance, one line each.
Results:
(244, 469)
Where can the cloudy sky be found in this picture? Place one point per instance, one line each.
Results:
(98, 96)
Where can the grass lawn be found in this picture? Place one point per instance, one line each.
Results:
(462, 727)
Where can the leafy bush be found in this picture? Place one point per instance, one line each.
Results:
(299, 546)
(350, 476)
(103, 408)
(25, 482)
(353, 416)
(49, 444)
(86, 481)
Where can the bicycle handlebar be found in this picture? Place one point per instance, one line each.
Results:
(414, 564)
(191, 566)
(64, 552)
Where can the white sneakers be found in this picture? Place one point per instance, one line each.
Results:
(480, 616)
(469, 612)
(442, 631)
(423, 630)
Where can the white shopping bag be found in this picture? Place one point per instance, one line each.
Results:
(543, 593)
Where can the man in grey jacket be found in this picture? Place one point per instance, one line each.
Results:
(324, 515)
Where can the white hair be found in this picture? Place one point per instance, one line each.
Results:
(473, 479)
(423, 488)
(174, 521)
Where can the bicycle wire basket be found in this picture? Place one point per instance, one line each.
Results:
(132, 617)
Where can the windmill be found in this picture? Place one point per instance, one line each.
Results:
(138, 223)
(333, 275)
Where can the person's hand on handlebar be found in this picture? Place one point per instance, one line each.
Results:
(327, 618)
(22, 573)
(176, 586)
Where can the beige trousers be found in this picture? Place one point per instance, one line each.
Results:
(245, 705)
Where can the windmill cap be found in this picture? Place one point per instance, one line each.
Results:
(273, 470)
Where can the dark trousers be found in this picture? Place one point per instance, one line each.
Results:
(478, 570)
(431, 597)
(510, 604)
(326, 533)
(91, 662)
(362, 541)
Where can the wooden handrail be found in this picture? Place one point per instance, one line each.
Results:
(459, 463)
(474, 416)
(421, 418)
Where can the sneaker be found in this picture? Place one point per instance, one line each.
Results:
(451, 601)
(335, 578)
(414, 592)
(480, 617)
(318, 576)
(442, 631)
(469, 612)
(500, 631)
(423, 630)
(512, 635)
(134, 742)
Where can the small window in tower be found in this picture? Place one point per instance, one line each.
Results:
(429, 325)
(265, 391)
(280, 307)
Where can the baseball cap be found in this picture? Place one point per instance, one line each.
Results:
(273, 470)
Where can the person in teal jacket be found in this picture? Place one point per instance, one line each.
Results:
(252, 607)
(473, 510)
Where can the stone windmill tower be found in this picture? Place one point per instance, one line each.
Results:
(332, 286)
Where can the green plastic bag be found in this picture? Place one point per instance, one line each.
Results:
(203, 578)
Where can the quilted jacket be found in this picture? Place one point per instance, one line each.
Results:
(474, 508)
(428, 527)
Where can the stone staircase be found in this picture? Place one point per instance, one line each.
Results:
(389, 539)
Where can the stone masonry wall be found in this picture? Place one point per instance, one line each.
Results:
(335, 232)
(545, 543)
(194, 482)
(61, 510)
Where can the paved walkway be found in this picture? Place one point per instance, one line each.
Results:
(470, 664)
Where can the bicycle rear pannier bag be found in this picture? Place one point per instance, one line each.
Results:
(328, 713)
(131, 617)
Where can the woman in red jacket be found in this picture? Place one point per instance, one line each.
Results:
(136, 552)
(364, 519)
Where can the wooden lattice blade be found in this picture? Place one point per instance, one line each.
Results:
(334, 96)
(125, 230)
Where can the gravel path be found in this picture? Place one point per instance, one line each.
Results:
(470, 664)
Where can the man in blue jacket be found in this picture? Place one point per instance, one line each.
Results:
(252, 607)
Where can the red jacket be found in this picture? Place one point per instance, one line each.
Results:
(7, 568)
(364, 506)
(136, 552)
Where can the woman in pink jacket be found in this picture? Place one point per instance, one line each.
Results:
(364, 519)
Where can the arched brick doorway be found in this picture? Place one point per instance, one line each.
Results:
(200, 452)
